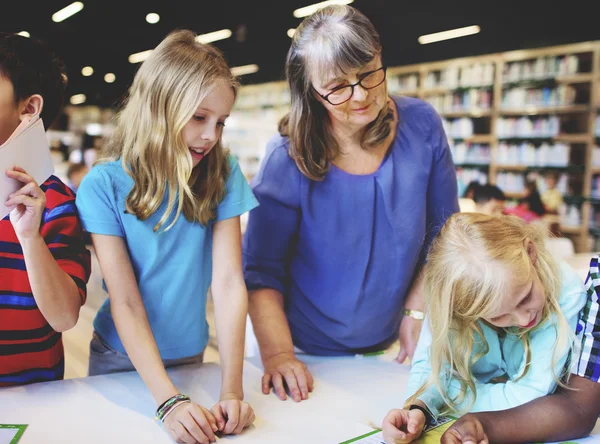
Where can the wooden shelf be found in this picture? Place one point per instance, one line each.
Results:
(587, 77)
(535, 110)
(512, 167)
(439, 90)
(406, 92)
(472, 113)
(526, 139)
(524, 168)
(566, 229)
(521, 55)
(529, 83)
(436, 91)
(475, 138)
(567, 138)
(569, 79)
(573, 138)
(474, 166)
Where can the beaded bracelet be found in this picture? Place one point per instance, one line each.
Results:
(177, 404)
(162, 405)
(166, 406)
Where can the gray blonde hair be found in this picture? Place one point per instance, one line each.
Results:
(148, 139)
(332, 41)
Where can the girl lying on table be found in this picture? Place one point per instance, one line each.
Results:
(501, 316)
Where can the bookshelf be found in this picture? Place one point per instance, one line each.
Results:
(507, 116)
(593, 155)
(254, 121)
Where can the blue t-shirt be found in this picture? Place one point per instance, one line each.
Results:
(344, 251)
(173, 268)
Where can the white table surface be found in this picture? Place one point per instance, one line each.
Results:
(350, 394)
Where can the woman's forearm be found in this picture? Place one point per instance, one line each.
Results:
(270, 322)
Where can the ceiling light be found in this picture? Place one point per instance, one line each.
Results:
(139, 57)
(87, 71)
(110, 77)
(203, 38)
(24, 34)
(78, 99)
(214, 36)
(291, 32)
(243, 70)
(67, 12)
(311, 9)
(447, 35)
(153, 18)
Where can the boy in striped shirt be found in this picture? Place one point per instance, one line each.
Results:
(44, 265)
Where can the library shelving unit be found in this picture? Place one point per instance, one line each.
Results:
(509, 117)
(593, 160)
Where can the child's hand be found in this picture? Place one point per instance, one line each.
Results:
(402, 426)
(467, 430)
(30, 201)
(191, 423)
(233, 416)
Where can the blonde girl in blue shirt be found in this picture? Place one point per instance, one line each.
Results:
(163, 208)
(501, 320)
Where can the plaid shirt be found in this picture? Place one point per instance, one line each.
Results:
(588, 328)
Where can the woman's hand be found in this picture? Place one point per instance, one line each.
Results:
(410, 329)
(285, 367)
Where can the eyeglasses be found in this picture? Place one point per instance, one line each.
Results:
(368, 80)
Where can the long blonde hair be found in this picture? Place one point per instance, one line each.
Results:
(465, 280)
(148, 139)
(332, 41)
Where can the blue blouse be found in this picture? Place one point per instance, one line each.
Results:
(344, 251)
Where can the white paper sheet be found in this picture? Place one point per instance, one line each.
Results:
(28, 149)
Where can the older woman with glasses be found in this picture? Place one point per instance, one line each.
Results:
(351, 193)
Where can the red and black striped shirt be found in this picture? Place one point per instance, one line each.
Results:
(30, 350)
